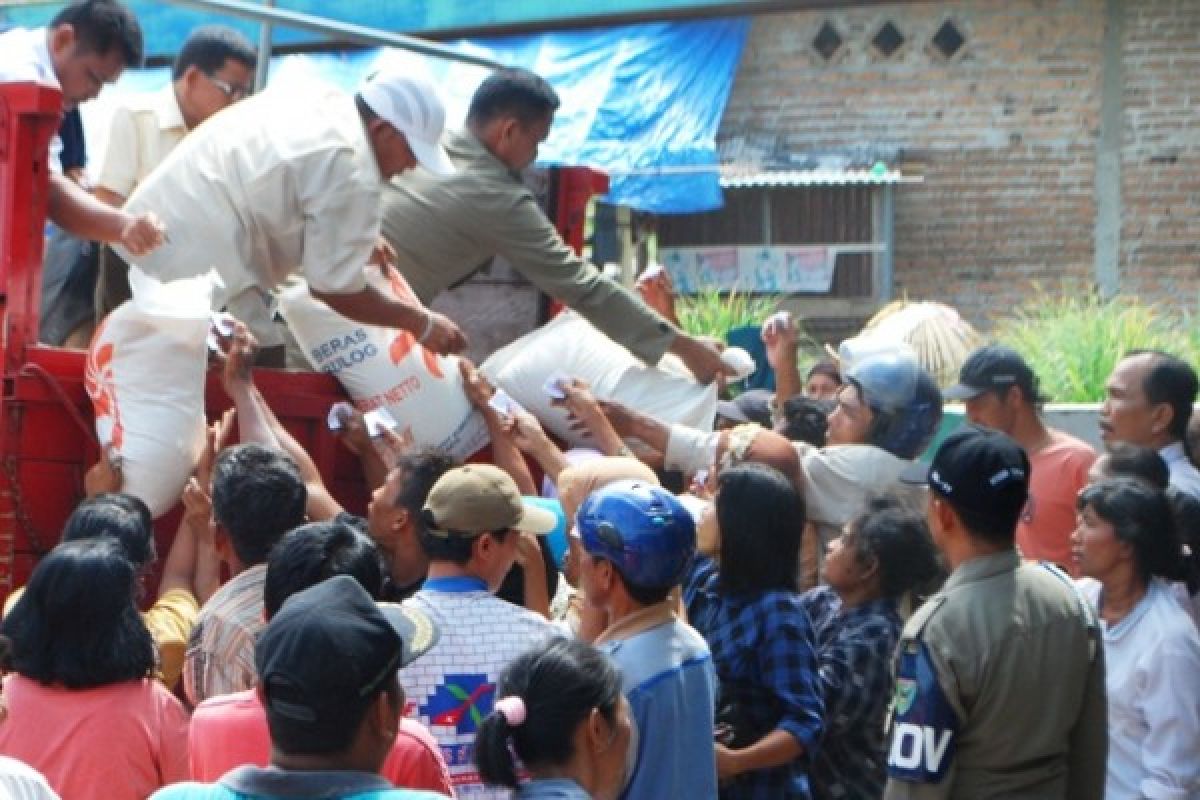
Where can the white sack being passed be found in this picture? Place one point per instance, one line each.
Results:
(569, 345)
(386, 368)
(145, 375)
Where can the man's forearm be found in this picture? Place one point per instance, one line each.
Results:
(372, 307)
(78, 213)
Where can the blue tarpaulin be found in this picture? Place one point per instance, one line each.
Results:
(640, 102)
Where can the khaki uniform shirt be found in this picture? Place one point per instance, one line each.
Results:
(444, 228)
(269, 186)
(999, 689)
(143, 132)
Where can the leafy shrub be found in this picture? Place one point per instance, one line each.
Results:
(1073, 338)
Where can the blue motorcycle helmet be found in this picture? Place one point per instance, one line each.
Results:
(904, 398)
(642, 529)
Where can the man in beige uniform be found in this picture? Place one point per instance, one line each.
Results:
(1000, 675)
(214, 69)
(444, 228)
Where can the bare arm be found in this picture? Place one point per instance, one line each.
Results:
(583, 406)
(628, 422)
(109, 197)
(357, 438)
(78, 212)
(505, 453)
(780, 340)
(372, 307)
(775, 749)
(265, 428)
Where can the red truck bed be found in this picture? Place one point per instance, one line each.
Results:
(47, 437)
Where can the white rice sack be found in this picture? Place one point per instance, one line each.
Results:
(569, 345)
(386, 368)
(145, 376)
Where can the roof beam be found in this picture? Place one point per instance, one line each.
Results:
(341, 31)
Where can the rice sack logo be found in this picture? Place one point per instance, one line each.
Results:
(460, 702)
(344, 352)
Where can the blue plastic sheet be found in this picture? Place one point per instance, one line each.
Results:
(639, 102)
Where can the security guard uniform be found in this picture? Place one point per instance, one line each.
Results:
(999, 689)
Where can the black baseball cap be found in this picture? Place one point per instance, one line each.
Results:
(993, 367)
(331, 649)
(978, 470)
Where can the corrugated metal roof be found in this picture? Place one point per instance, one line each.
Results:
(816, 177)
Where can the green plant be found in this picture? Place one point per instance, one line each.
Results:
(1072, 339)
(714, 313)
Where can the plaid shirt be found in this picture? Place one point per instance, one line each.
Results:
(220, 653)
(855, 649)
(762, 646)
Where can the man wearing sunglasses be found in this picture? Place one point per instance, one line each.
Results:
(214, 69)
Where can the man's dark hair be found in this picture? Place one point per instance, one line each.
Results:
(805, 420)
(122, 517)
(1171, 380)
(419, 471)
(643, 595)
(314, 552)
(257, 497)
(209, 47)
(761, 518)
(455, 549)
(995, 527)
(76, 625)
(515, 92)
(1134, 461)
(102, 25)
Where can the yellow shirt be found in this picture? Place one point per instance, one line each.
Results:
(170, 621)
(143, 131)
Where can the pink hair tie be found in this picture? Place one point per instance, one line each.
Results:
(512, 708)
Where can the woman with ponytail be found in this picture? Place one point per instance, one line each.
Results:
(561, 713)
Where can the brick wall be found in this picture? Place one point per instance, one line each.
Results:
(1160, 153)
(1005, 132)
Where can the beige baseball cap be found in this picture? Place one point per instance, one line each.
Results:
(479, 498)
(411, 105)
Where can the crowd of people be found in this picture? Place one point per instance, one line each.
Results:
(791, 604)
(683, 645)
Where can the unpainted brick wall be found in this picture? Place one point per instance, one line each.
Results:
(1005, 133)
(1160, 154)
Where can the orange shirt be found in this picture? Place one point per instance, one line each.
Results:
(1060, 470)
(231, 730)
(117, 742)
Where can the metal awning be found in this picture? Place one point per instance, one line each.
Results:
(731, 178)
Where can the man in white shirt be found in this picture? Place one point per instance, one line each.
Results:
(1148, 402)
(281, 183)
(214, 69)
(87, 45)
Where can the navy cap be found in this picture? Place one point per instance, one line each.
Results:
(994, 368)
(330, 649)
(978, 470)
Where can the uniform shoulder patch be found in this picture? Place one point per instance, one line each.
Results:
(924, 724)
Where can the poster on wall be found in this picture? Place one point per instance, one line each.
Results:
(779, 268)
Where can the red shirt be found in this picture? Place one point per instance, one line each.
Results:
(116, 742)
(231, 730)
(1060, 470)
